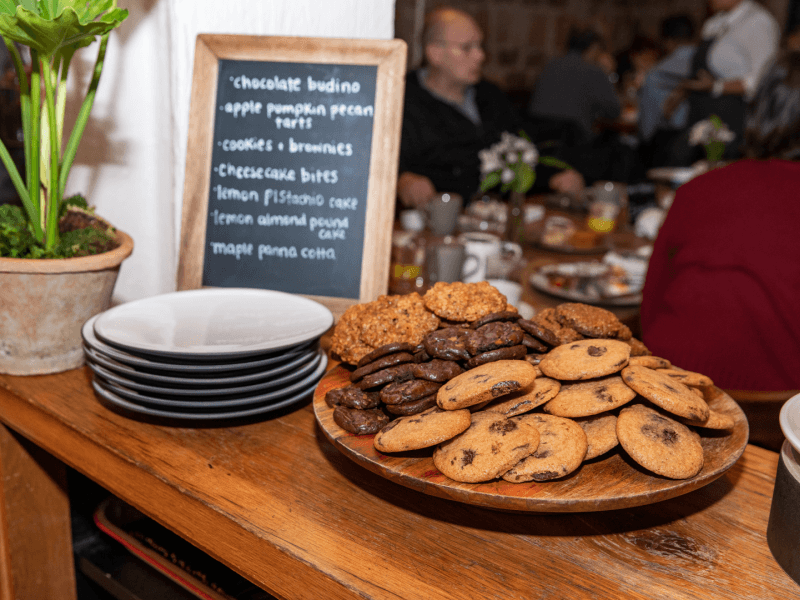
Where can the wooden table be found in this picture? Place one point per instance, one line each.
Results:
(280, 505)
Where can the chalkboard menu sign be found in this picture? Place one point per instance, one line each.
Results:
(292, 166)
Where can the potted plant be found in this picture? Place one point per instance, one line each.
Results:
(58, 262)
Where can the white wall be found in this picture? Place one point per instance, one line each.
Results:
(131, 161)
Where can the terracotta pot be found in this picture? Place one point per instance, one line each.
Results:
(44, 303)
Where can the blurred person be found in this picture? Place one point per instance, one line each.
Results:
(677, 38)
(574, 87)
(451, 113)
(720, 294)
(738, 44)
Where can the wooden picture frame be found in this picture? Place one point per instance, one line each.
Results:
(389, 56)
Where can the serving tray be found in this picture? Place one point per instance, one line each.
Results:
(608, 482)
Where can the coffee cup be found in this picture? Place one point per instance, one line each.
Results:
(443, 211)
(783, 527)
(412, 219)
(480, 246)
(445, 262)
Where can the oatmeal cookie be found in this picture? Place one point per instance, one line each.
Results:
(464, 301)
(396, 319)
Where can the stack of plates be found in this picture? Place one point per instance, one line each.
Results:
(208, 354)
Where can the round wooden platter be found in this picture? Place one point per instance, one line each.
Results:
(609, 482)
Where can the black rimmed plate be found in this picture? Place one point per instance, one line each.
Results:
(160, 363)
(299, 372)
(216, 404)
(213, 324)
(232, 379)
(202, 415)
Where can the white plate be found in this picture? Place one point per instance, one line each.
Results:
(213, 323)
(540, 282)
(215, 404)
(201, 416)
(159, 363)
(229, 379)
(298, 371)
(675, 175)
(790, 421)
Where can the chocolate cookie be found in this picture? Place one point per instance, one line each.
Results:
(545, 326)
(408, 391)
(352, 397)
(488, 448)
(385, 350)
(504, 315)
(591, 321)
(383, 362)
(658, 443)
(517, 403)
(447, 344)
(438, 370)
(402, 372)
(601, 434)
(360, 422)
(414, 407)
(666, 392)
(585, 359)
(532, 344)
(422, 430)
(590, 397)
(492, 336)
(510, 353)
(562, 448)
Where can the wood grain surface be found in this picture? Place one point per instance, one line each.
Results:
(282, 506)
(609, 482)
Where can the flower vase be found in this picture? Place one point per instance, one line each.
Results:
(515, 220)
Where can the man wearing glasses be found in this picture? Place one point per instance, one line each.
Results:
(451, 114)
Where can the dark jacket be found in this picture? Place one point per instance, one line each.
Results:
(442, 144)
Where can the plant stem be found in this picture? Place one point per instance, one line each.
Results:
(83, 117)
(53, 197)
(66, 59)
(33, 164)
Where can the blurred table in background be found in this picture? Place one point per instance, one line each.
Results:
(408, 272)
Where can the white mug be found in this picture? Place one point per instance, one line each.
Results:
(480, 246)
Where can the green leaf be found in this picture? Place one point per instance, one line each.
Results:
(57, 24)
(491, 180)
(551, 161)
(525, 178)
(524, 135)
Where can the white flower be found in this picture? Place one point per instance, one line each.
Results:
(507, 176)
(512, 158)
(490, 161)
(531, 156)
(705, 132)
